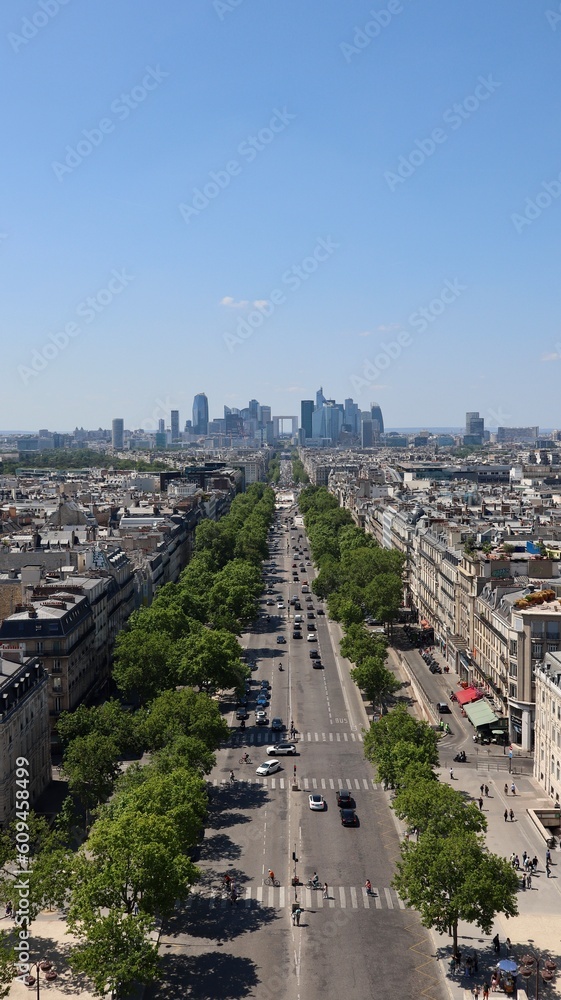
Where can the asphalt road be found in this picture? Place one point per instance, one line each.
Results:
(347, 943)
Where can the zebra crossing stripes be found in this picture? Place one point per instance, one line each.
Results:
(265, 736)
(281, 898)
(308, 784)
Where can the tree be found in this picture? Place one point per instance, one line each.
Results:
(382, 743)
(216, 538)
(182, 713)
(130, 858)
(430, 806)
(374, 679)
(8, 964)
(233, 597)
(107, 719)
(179, 794)
(383, 596)
(185, 751)
(91, 764)
(115, 951)
(358, 644)
(344, 609)
(453, 878)
(211, 659)
(144, 663)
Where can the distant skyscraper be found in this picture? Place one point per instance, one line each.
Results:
(366, 431)
(200, 414)
(253, 409)
(320, 398)
(475, 428)
(175, 425)
(118, 433)
(264, 415)
(306, 410)
(377, 418)
(161, 426)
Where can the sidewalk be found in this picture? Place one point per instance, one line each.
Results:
(538, 925)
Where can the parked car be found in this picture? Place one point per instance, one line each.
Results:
(281, 640)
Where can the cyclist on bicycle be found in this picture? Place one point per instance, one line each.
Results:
(368, 885)
(272, 876)
(246, 758)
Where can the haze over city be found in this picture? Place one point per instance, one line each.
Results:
(256, 199)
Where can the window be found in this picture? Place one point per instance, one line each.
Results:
(57, 684)
(537, 649)
(513, 669)
(552, 630)
(512, 690)
(513, 647)
(552, 647)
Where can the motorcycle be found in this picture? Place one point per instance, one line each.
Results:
(460, 757)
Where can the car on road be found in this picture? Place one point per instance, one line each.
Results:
(348, 817)
(242, 714)
(310, 614)
(276, 723)
(320, 611)
(296, 634)
(280, 605)
(314, 655)
(317, 664)
(269, 603)
(268, 767)
(281, 640)
(261, 719)
(263, 699)
(311, 627)
(312, 637)
(345, 799)
(435, 668)
(282, 749)
(443, 708)
(317, 802)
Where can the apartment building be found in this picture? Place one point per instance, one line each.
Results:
(24, 726)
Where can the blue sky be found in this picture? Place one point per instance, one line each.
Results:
(259, 198)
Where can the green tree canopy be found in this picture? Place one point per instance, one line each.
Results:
(373, 678)
(115, 951)
(430, 806)
(453, 878)
(144, 663)
(182, 713)
(210, 660)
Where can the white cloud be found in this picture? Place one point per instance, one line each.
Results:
(383, 328)
(552, 356)
(232, 304)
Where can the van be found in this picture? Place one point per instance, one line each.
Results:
(443, 708)
(298, 619)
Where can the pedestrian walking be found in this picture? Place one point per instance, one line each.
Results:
(480, 801)
(325, 891)
(476, 992)
(485, 990)
(135, 909)
(481, 789)
(547, 869)
(298, 915)
(452, 773)
(548, 857)
(486, 791)
(497, 944)
(513, 788)
(529, 881)
(508, 946)
(475, 963)
(511, 814)
(517, 859)
(9, 908)
(524, 856)
(506, 788)
(524, 882)
(506, 814)
(233, 897)
(535, 863)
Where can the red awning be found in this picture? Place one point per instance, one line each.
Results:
(465, 695)
(424, 623)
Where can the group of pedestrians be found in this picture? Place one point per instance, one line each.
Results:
(232, 892)
(509, 813)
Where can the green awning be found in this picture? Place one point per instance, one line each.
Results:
(480, 714)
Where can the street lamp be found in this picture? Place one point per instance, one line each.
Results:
(530, 964)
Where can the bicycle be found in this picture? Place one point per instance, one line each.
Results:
(310, 884)
(270, 881)
(245, 760)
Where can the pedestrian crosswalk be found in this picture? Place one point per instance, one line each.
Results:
(280, 897)
(307, 784)
(266, 736)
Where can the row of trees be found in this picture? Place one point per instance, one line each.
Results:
(136, 861)
(357, 578)
(299, 474)
(188, 634)
(447, 874)
(84, 458)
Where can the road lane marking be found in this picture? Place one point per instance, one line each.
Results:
(357, 784)
(377, 899)
(365, 899)
(331, 783)
(349, 784)
(354, 901)
(323, 783)
(389, 899)
(342, 900)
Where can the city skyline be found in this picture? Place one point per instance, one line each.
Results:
(230, 200)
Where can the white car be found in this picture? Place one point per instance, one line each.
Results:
(282, 749)
(316, 802)
(268, 767)
(312, 637)
(280, 605)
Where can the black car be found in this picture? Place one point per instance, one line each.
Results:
(435, 669)
(348, 817)
(320, 611)
(242, 714)
(345, 799)
(314, 655)
(296, 634)
(317, 664)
